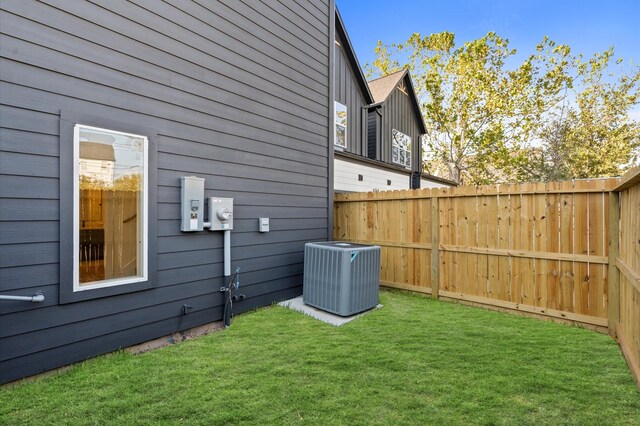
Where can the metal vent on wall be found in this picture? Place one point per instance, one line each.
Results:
(341, 278)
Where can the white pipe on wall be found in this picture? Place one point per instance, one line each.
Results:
(36, 298)
(227, 253)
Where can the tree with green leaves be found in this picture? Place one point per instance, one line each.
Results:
(489, 122)
(591, 133)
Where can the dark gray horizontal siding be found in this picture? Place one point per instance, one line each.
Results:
(161, 31)
(237, 150)
(83, 39)
(176, 276)
(308, 27)
(258, 259)
(28, 188)
(129, 74)
(193, 107)
(249, 172)
(312, 15)
(21, 232)
(12, 140)
(20, 254)
(204, 257)
(251, 199)
(9, 308)
(80, 350)
(26, 208)
(200, 295)
(48, 317)
(17, 278)
(34, 121)
(235, 157)
(207, 241)
(320, 7)
(17, 164)
(208, 129)
(236, 93)
(304, 35)
(230, 30)
(29, 254)
(172, 211)
(233, 184)
(29, 232)
(171, 227)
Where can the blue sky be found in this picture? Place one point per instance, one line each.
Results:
(587, 26)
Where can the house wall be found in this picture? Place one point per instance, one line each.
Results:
(398, 113)
(427, 183)
(347, 92)
(373, 133)
(374, 178)
(236, 93)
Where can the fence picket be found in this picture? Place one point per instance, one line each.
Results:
(538, 243)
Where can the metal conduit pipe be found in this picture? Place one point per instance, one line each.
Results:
(36, 298)
(227, 253)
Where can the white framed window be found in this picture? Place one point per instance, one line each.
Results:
(401, 149)
(110, 208)
(340, 125)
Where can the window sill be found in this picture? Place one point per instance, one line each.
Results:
(402, 165)
(70, 296)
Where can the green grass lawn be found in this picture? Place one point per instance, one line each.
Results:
(415, 361)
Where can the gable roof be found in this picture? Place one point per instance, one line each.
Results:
(358, 75)
(382, 87)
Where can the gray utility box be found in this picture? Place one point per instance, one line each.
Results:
(341, 278)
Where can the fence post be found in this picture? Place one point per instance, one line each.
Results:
(435, 246)
(613, 295)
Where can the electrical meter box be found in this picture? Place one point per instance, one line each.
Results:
(192, 203)
(220, 213)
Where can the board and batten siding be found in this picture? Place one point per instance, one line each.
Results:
(398, 113)
(374, 178)
(237, 93)
(348, 93)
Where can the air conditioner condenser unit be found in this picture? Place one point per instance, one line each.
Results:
(341, 278)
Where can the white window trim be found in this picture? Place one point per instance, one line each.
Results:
(335, 125)
(144, 231)
(407, 151)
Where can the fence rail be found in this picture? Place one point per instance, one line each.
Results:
(539, 248)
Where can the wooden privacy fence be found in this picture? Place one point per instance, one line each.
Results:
(540, 248)
(624, 311)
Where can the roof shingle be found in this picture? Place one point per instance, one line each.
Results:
(382, 87)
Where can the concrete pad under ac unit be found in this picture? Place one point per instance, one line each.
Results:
(298, 305)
